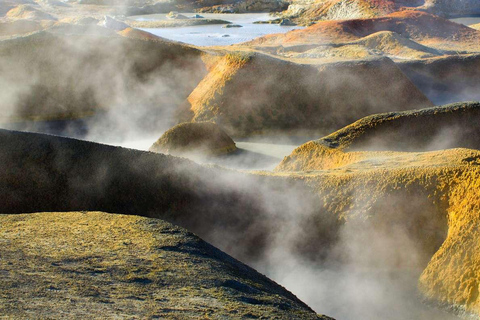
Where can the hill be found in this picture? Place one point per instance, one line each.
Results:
(446, 79)
(399, 214)
(297, 96)
(79, 264)
(205, 138)
(452, 8)
(24, 11)
(76, 71)
(426, 29)
(451, 126)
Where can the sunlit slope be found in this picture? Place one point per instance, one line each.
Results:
(248, 93)
(83, 264)
(450, 126)
(424, 28)
(308, 11)
(452, 275)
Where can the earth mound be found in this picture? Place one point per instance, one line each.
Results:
(446, 79)
(19, 27)
(133, 266)
(453, 8)
(380, 44)
(306, 12)
(451, 126)
(204, 138)
(28, 12)
(424, 28)
(248, 93)
(76, 71)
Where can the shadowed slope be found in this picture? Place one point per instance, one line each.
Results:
(76, 71)
(451, 126)
(80, 264)
(446, 80)
(248, 93)
(201, 137)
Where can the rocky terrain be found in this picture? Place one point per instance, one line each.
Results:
(79, 264)
(376, 220)
(205, 138)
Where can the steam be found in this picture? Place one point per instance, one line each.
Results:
(363, 264)
(103, 86)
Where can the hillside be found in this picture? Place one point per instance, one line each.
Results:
(426, 29)
(318, 208)
(374, 137)
(293, 96)
(446, 79)
(76, 71)
(453, 8)
(79, 264)
(204, 138)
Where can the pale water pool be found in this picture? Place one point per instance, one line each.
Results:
(216, 35)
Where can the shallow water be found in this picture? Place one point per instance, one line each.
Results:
(216, 35)
(467, 20)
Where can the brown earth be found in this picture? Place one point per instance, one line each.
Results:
(79, 264)
(426, 29)
(418, 193)
(451, 126)
(19, 27)
(446, 79)
(76, 71)
(305, 12)
(28, 12)
(205, 138)
(453, 8)
(251, 92)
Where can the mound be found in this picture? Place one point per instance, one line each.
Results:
(446, 79)
(394, 45)
(76, 71)
(424, 28)
(86, 21)
(293, 96)
(475, 26)
(383, 43)
(133, 266)
(19, 27)
(138, 34)
(453, 8)
(28, 12)
(305, 12)
(451, 126)
(204, 138)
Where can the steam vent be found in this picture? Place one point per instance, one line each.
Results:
(205, 138)
(351, 191)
